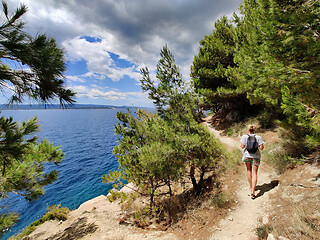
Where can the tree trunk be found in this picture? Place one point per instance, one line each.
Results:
(151, 194)
(4, 167)
(193, 178)
(201, 180)
(169, 186)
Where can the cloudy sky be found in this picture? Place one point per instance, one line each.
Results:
(107, 42)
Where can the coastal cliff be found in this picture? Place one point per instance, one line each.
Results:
(294, 193)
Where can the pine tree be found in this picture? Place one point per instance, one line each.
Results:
(278, 55)
(157, 149)
(39, 76)
(274, 63)
(41, 63)
(280, 48)
(22, 162)
(210, 69)
(146, 152)
(183, 116)
(169, 78)
(215, 55)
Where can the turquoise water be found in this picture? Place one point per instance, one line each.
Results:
(87, 138)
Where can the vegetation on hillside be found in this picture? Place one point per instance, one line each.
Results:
(159, 150)
(39, 77)
(55, 212)
(266, 62)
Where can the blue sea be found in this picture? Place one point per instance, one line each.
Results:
(87, 138)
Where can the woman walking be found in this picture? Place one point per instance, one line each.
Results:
(252, 144)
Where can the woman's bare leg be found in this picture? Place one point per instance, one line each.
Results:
(254, 178)
(249, 175)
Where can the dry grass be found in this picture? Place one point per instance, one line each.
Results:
(203, 213)
(240, 128)
(296, 211)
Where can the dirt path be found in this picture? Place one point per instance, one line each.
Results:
(231, 142)
(241, 223)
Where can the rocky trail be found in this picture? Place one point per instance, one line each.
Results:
(241, 223)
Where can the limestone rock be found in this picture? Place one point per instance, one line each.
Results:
(270, 237)
(283, 238)
(265, 220)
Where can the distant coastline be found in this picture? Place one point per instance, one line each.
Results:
(57, 106)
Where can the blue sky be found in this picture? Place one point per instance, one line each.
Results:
(107, 42)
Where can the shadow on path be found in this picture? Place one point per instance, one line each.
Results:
(316, 178)
(266, 187)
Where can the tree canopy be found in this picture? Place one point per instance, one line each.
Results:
(280, 48)
(39, 63)
(210, 69)
(215, 55)
(169, 78)
(274, 48)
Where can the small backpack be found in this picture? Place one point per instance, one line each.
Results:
(252, 144)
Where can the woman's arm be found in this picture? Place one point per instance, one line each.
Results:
(261, 147)
(242, 146)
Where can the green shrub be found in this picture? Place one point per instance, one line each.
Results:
(263, 231)
(233, 159)
(240, 128)
(7, 220)
(219, 200)
(279, 157)
(55, 212)
(267, 119)
(230, 132)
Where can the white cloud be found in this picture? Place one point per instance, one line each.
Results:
(95, 92)
(97, 57)
(134, 30)
(75, 79)
(93, 76)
